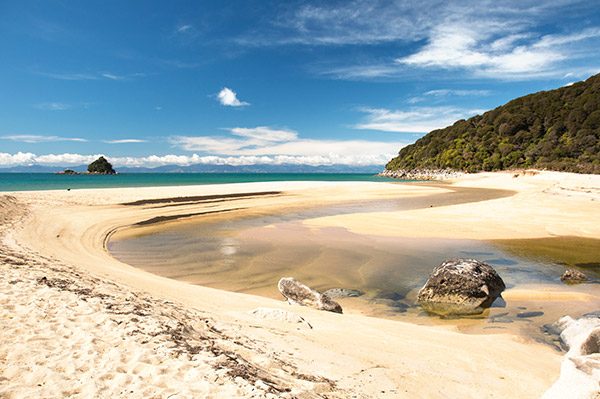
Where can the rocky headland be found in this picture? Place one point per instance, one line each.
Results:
(421, 174)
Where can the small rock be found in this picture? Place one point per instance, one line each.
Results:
(297, 293)
(573, 276)
(339, 293)
(460, 287)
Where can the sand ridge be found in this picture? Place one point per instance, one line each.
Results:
(342, 356)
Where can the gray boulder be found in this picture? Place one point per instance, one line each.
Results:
(460, 287)
(299, 294)
(573, 276)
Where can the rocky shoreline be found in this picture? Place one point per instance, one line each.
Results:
(421, 174)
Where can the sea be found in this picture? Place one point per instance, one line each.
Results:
(49, 181)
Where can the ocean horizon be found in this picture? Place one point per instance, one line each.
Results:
(48, 181)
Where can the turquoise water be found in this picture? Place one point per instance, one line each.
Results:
(48, 181)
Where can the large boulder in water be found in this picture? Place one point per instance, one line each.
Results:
(297, 293)
(461, 287)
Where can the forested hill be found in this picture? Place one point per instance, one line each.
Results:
(554, 130)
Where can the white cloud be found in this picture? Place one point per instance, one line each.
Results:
(503, 40)
(264, 133)
(465, 93)
(250, 139)
(228, 97)
(184, 28)
(360, 72)
(354, 22)
(54, 106)
(264, 141)
(417, 120)
(494, 53)
(457, 46)
(314, 160)
(39, 139)
(20, 158)
(112, 76)
(29, 158)
(90, 76)
(124, 141)
(8, 160)
(70, 76)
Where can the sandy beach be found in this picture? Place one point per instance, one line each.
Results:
(79, 323)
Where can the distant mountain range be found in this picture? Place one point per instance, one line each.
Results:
(554, 130)
(201, 168)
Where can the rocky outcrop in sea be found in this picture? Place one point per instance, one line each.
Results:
(421, 174)
(73, 173)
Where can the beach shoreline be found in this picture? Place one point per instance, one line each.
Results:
(64, 235)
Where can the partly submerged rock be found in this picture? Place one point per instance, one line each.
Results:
(297, 293)
(67, 172)
(460, 287)
(580, 370)
(339, 293)
(278, 314)
(573, 276)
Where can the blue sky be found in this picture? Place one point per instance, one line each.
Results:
(148, 83)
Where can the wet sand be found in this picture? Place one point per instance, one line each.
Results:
(64, 235)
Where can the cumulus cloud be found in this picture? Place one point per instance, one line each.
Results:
(416, 120)
(8, 160)
(26, 138)
(229, 98)
(29, 158)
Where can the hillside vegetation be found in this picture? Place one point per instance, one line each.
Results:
(554, 130)
(101, 167)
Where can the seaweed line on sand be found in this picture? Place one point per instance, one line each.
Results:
(172, 330)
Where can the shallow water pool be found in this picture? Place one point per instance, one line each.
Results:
(251, 254)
